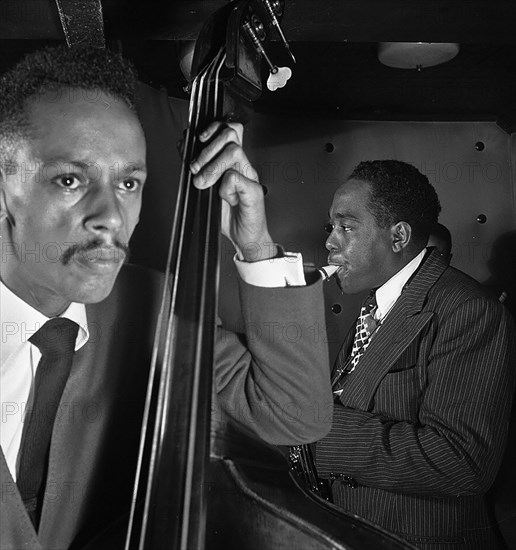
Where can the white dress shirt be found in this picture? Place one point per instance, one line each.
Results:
(18, 363)
(390, 291)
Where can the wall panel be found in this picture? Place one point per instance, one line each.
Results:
(302, 162)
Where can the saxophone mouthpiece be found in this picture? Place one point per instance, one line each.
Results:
(327, 271)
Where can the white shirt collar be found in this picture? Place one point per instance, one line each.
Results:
(390, 291)
(19, 321)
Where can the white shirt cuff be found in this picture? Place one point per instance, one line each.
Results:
(274, 272)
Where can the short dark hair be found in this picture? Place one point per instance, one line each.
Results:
(55, 69)
(400, 192)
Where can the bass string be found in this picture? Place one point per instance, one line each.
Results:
(211, 228)
(189, 504)
(198, 91)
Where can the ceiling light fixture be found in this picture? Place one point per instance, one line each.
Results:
(416, 55)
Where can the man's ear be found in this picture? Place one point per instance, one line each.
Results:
(3, 207)
(6, 169)
(401, 234)
(4, 212)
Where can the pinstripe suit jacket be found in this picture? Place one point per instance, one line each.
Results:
(421, 424)
(267, 386)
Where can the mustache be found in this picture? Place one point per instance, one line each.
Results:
(83, 249)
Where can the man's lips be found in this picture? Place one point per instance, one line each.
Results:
(104, 255)
(332, 261)
(100, 260)
(341, 266)
(328, 271)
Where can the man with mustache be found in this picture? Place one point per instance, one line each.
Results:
(423, 387)
(94, 250)
(73, 168)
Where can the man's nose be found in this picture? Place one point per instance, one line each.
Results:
(104, 214)
(330, 243)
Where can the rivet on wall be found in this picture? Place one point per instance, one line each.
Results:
(329, 147)
(479, 146)
(481, 218)
(336, 308)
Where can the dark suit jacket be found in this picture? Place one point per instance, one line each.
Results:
(421, 423)
(268, 386)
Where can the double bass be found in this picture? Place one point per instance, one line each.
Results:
(196, 487)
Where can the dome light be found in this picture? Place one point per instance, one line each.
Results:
(416, 55)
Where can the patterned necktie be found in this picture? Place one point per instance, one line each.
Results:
(364, 328)
(56, 342)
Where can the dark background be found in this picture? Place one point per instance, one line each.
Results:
(335, 43)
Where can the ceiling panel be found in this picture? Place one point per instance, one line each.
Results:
(335, 42)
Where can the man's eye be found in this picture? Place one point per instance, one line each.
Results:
(129, 185)
(68, 181)
(329, 227)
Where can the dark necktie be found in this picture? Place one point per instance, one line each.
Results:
(365, 327)
(56, 342)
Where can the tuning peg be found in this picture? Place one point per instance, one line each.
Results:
(278, 78)
(273, 9)
(278, 75)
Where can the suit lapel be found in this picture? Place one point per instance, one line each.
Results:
(401, 327)
(76, 434)
(16, 529)
(95, 441)
(345, 349)
(94, 449)
(76, 440)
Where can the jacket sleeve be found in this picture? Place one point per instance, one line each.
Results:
(273, 377)
(456, 444)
